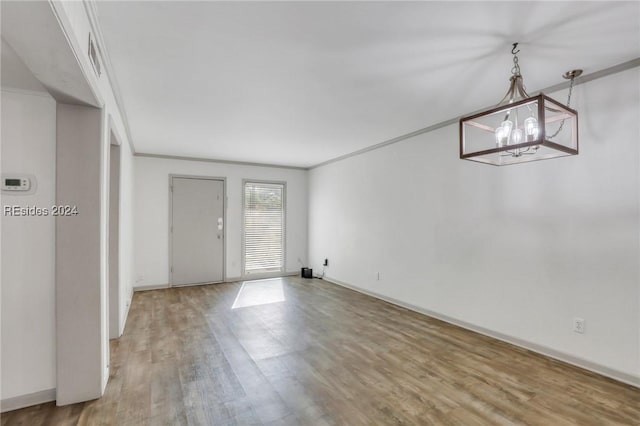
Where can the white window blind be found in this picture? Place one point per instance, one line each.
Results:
(263, 227)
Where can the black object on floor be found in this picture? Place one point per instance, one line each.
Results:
(306, 273)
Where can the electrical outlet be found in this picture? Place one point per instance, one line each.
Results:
(578, 325)
(140, 278)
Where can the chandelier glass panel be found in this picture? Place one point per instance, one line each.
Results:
(520, 128)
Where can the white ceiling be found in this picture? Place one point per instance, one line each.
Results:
(299, 83)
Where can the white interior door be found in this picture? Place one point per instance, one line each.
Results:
(197, 231)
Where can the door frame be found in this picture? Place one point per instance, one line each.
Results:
(224, 228)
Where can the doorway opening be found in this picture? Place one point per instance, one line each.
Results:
(114, 239)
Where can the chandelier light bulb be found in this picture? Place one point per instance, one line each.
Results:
(503, 132)
(500, 138)
(517, 137)
(507, 125)
(531, 129)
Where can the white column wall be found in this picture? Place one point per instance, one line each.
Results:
(81, 309)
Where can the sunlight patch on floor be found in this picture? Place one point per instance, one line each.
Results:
(259, 292)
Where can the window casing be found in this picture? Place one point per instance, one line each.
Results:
(263, 227)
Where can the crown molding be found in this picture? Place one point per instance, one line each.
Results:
(213, 160)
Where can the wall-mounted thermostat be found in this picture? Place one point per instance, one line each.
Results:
(18, 183)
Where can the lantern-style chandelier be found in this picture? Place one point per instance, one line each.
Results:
(521, 128)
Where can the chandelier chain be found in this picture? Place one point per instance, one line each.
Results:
(573, 78)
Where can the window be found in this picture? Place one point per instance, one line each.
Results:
(264, 204)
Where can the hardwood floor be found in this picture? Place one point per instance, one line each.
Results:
(324, 355)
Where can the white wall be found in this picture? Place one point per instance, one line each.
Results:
(28, 247)
(152, 213)
(518, 250)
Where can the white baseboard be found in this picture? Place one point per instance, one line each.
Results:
(534, 347)
(150, 287)
(27, 400)
(267, 276)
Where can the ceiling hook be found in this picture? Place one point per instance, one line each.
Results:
(513, 51)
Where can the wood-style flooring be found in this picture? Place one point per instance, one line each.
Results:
(324, 355)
